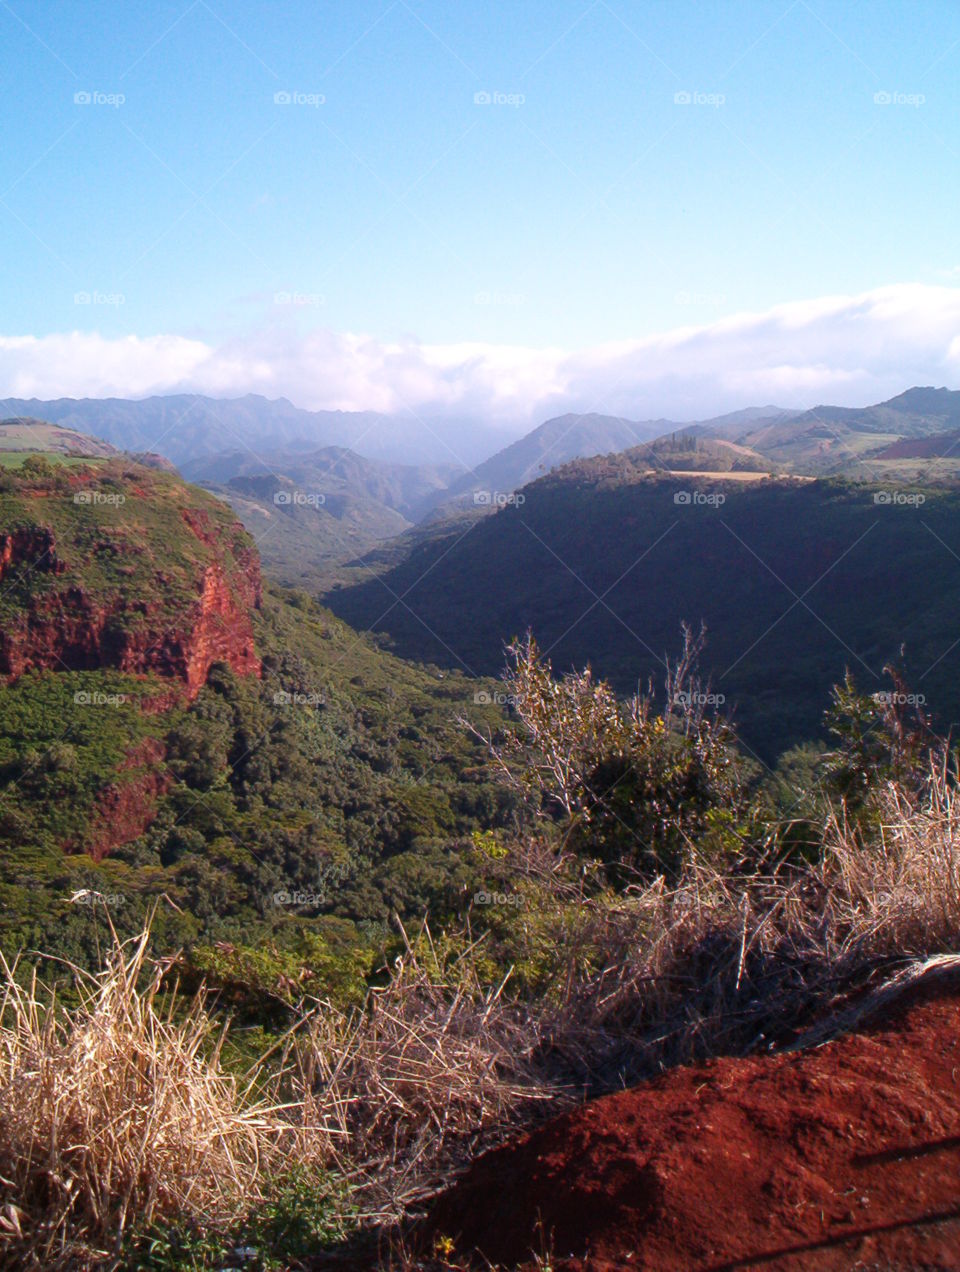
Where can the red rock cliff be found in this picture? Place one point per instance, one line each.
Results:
(67, 628)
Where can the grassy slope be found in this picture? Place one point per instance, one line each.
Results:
(877, 575)
(360, 790)
(25, 435)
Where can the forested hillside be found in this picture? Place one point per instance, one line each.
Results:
(795, 580)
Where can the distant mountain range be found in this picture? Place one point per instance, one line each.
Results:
(213, 440)
(188, 427)
(311, 512)
(580, 559)
(569, 437)
(355, 508)
(837, 439)
(409, 490)
(553, 443)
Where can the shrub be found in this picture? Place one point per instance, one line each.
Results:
(641, 791)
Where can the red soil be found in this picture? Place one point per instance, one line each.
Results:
(127, 807)
(940, 444)
(845, 1156)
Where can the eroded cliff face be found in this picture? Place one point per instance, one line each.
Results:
(223, 631)
(126, 807)
(69, 628)
(122, 568)
(31, 548)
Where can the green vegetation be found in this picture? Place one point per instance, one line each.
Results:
(303, 810)
(288, 817)
(130, 538)
(416, 907)
(639, 790)
(17, 459)
(581, 964)
(301, 1214)
(797, 581)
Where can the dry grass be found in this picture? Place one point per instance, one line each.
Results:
(900, 890)
(721, 964)
(414, 1081)
(117, 1113)
(726, 963)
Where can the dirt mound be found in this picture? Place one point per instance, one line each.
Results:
(844, 1156)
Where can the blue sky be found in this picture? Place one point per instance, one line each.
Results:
(584, 205)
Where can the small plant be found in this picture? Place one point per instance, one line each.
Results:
(640, 790)
(444, 1246)
(302, 1213)
(879, 738)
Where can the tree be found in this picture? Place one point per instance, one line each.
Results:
(881, 737)
(639, 790)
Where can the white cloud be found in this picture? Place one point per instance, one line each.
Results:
(81, 364)
(844, 349)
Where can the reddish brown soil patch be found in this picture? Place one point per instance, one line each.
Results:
(847, 1156)
(127, 807)
(941, 444)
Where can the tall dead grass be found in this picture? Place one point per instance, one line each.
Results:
(722, 963)
(415, 1081)
(117, 1113)
(726, 963)
(898, 890)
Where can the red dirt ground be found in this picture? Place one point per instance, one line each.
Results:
(846, 1156)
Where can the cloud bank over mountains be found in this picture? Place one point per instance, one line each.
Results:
(848, 350)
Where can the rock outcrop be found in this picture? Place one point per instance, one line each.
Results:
(170, 623)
